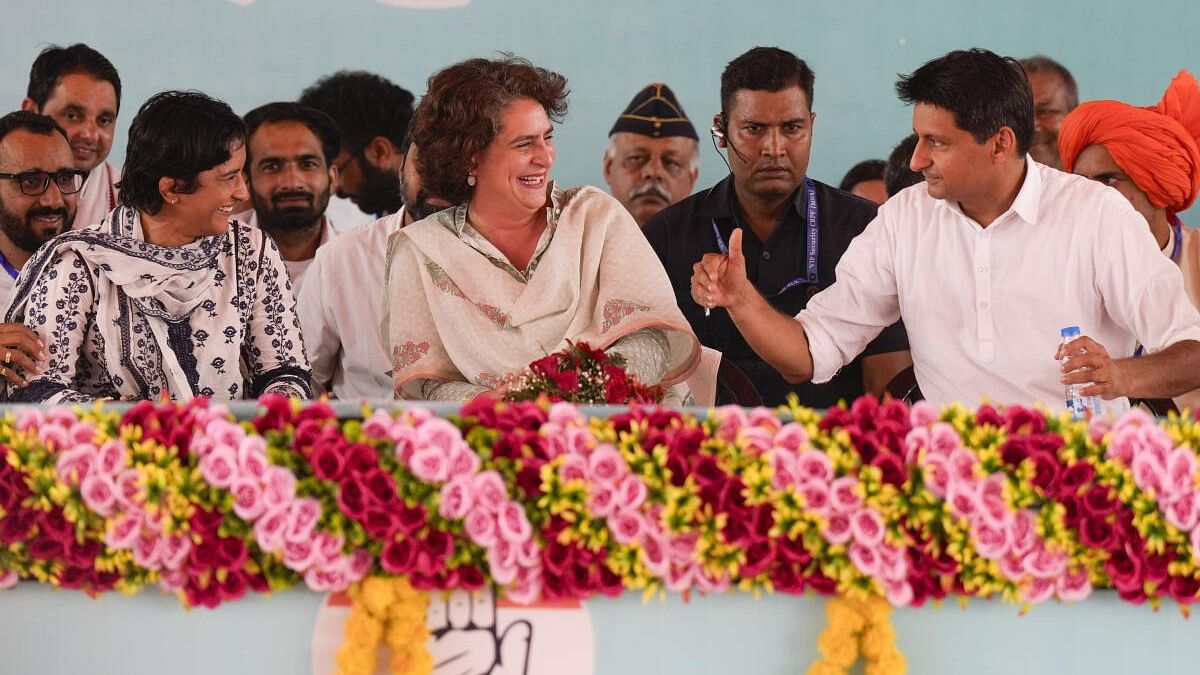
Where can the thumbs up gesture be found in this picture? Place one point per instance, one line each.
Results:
(719, 280)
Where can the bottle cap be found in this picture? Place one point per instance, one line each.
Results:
(1070, 331)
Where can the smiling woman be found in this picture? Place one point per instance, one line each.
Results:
(167, 296)
(520, 267)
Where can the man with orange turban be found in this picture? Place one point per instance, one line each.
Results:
(1151, 155)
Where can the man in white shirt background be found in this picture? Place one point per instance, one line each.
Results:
(986, 261)
(38, 188)
(342, 306)
(81, 90)
(289, 148)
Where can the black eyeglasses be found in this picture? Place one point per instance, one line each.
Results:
(34, 183)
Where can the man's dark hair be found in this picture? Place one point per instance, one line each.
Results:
(984, 91)
(176, 134)
(55, 61)
(1039, 63)
(868, 169)
(321, 125)
(765, 69)
(364, 105)
(898, 174)
(31, 122)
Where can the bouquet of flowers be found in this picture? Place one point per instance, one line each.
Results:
(581, 374)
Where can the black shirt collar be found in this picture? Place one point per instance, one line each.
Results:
(718, 204)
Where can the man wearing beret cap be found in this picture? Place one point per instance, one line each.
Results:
(651, 161)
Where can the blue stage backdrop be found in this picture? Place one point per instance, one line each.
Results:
(253, 51)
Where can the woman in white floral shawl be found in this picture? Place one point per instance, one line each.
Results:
(166, 296)
(479, 291)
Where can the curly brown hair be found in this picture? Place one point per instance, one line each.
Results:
(460, 116)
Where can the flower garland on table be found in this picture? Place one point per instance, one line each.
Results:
(580, 373)
(391, 612)
(866, 502)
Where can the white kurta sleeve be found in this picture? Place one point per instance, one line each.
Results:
(318, 325)
(61, 310)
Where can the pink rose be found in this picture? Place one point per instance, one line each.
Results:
(327, 579)
(457, 497)
(75, 464)
(30, 418)
(816, 497)
(252, 457)
(791, 437)
(128, 487)
(1181, 473)
(111, 457)
(682, 547)
(923, 414)
(963, 465)
(147, 551)
(1184, 513)
(513, 524)
(756, 440)
(916, 440)
(327, 548)
(527, 553)
(814, 465)
(565, 415)
(280, 487)
(601, 500)
(991, 499)
(463, 462)
(360, 564)
(430, 464)
(54, 437)
(845, 494)
(865, 559)
(631, 492)
(784, 467)
(171, 581)
(1149, 474)
(480, 525)
(269, 529)
(837, 529)
(224, 432)
(405, 439)
(219, 466)
(175, 551)
(248, 501)
(527, 587)
(302, 519)
(122, 532)
(502, 563)
(439, 434)
(416, 416)
(764, 418)
(377, 426)
(1012, 567)
(83, 432)
(936, 472)
(1098, 427)
(943, 439)
(893, 563)
(299, 555)
(573, 467)
(579, 441)
(490, 493)
(730, 419)
(626, 526)
(1044, 564)
(990, 541)
(680, 576)
(1024, 532)
(99, 493)
(963, 497)
(867, 527)
(899, 592)
(1074, 586)
(1037, 590)
(654, 554)
(606, 465)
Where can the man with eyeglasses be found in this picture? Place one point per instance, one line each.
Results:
(39, 185)
(81, 90)
(1054, 95)
(372, 114)
(795, 228)
(652, 159)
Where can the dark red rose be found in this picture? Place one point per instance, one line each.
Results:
(1098, 501)
(1075, 477)
(822, 584)
(1097, 533)
(381, 486)
(208, 596)
(205, 521)
(1015, 450)
(736, 532)
(1155, 566)
(8, 496)
(440, 546)
(75, 577)
(895, 412)
(678, 468)
(759, 557)
(1020, 420)
(138, 415)
(864, 408)
(380, 523)
(557, 557)
(793, 551)
(258, 583)
(1183, 589)
(328, 461)
(276, 414)
(361, 458)
(835, 418)
(470, 578)
(482, 409)
(15, 526)
(1073, 510)
(81, 555)
(1134, 594)
(611, 583)
(423, 582)
(233, 587)
(410, 519)
(1046, 471)
(202, 558)
(231, 553)
(529, 479)
(892, 467)
(399, 556)
(102, 582)
(52, 524)
(352, 499)
(1123, 569)
(582, 581)
(567, 381)
(547, 365)
(616, 390)
(318, 411)
(762, 520)
(708, 472)
(785, 579)
(986, 415)
(44, 548)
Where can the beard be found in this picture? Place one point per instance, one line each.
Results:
(290, 218)
(418, 205)
(20, 230)
(381, 191)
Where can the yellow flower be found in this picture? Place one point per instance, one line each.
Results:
(838, 647)
(878, 639)
(418, 662)
(825, 668)
(363, 628)
(844, 616)
(376, 594)
(353, 659)
(889, 663)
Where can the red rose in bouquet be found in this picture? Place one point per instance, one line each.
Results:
(580, 374)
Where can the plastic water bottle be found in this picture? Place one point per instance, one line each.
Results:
(1081, 407)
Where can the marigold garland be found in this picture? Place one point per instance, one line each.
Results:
(386, 611)
(858, 627)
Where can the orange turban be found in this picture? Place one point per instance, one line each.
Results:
(1158, 146)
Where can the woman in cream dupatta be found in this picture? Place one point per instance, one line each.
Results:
(479, 291)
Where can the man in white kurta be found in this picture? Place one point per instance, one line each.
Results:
(81, 90)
